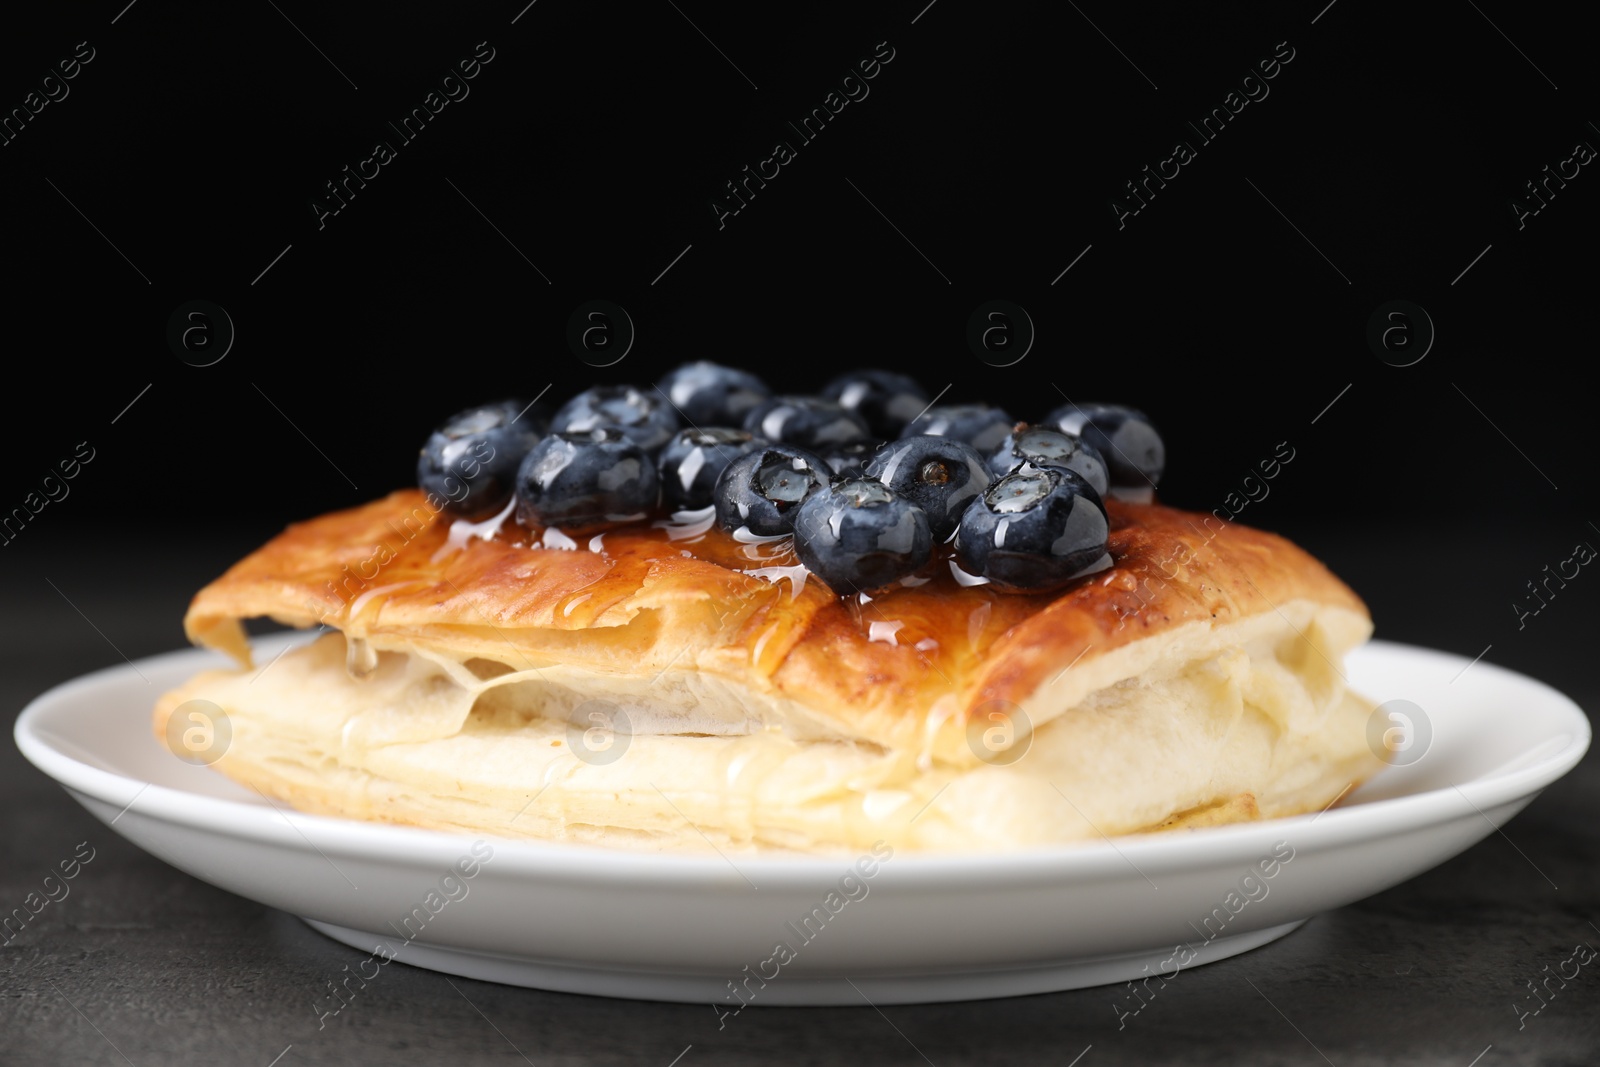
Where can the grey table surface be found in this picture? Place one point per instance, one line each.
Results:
(143, 964)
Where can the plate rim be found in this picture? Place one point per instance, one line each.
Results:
(274, 825)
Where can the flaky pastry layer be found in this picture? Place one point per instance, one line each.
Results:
(904, 672)
(1241, 721)
(1195, 682)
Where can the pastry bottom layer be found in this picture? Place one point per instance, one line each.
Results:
(1252, 726)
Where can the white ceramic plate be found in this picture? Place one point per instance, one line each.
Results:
(699, 928)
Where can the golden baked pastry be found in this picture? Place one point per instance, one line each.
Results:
(1196, 681)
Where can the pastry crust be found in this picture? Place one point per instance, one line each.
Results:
(1203, 633)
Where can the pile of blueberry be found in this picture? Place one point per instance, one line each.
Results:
(868, 478)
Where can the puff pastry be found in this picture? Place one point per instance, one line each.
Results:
(1197, 681)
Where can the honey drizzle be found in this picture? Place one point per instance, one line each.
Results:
(934, 616)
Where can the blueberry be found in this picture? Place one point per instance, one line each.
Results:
(1044, 447)
(646, 418)
(979, 425)
(1034, 529)
(469, 465)
(940, 475)
(709, 394)
(805, 422)
(763, 489)
(858, 535)
(850, 460)
(691, 461)
(585, 479)
(1124, 436)
(886, 400)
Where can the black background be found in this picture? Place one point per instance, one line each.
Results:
(994, 141)
(1234, 308)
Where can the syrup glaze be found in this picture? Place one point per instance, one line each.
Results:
(939, 621)
(931, 612)
(635, 598)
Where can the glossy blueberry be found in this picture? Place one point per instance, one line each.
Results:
(1124, 437)
(805, 422)
(1044, 447)
(764, 488)
(1034, 529)
(850, 460)
(886, 400)
(709, 394)
(645, 417)
(858, 535)
(692, 460)
(578, 480)
(940, 475)
(979, 425)
(469, 465)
